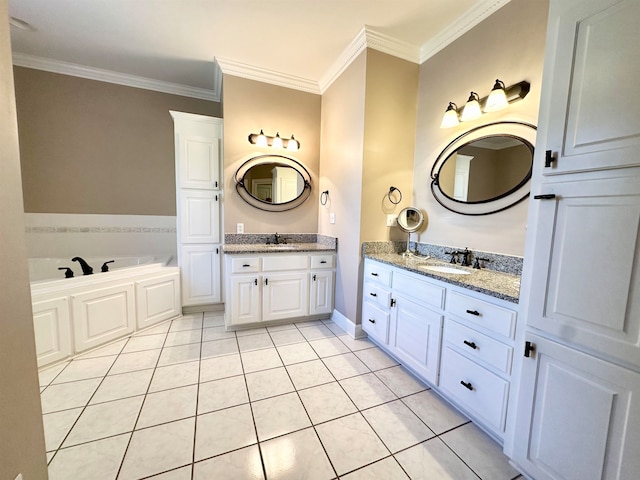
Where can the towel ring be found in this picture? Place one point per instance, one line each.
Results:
(324, 197)
(391, 190)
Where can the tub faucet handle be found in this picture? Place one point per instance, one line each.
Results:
(68, 272)
(105, 266)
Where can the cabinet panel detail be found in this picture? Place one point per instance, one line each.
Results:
(52, 327)
(483, 314)
(157, 299)
(478, 346)
(428, 293)
(200, 160)
(375, 321)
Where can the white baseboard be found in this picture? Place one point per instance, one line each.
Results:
(354, 330)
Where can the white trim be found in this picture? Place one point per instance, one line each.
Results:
(355, 331)
(101, 75)
(237, 69)
(459, 27)
(346, 58)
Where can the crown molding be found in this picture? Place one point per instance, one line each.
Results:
(368, 38)
(237, 69)
(459, 27)
(101, 75)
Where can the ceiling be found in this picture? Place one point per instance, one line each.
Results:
(298, 43)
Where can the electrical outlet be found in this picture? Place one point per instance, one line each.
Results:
(332, 217)
(392, 220)
(239, 227)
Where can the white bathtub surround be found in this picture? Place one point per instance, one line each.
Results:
(70, 235)
(204, 411)
(77, 314)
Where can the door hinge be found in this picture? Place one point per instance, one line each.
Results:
(529, 348)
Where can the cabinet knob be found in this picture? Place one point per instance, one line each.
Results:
(323, 261)
(314, 277)
(373, 294)
(470, 344)
(473, 312)
(372, 320)
(466, 385)
(246, 265)
(255, 281)
(266, 281)
(374, 274)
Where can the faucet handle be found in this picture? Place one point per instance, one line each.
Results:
(454, 256)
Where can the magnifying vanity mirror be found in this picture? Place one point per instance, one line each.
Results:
(485, 170)
(410, 220)
(274, 183)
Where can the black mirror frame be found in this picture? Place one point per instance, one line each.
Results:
(520, 192)
(291, 162)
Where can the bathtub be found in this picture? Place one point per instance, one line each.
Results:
(74, 315)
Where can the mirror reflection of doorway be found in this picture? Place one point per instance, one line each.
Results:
(461, 180)
(262, 188)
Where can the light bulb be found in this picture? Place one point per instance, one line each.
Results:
(497, 99)
(471, 110)
(262, 140)
(450, 118)
(293, 144)
(277, 141)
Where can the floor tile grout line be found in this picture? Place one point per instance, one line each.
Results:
(135, 424)
(195, 420)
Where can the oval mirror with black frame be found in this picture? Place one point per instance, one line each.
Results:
(486, 169)
(273, 183)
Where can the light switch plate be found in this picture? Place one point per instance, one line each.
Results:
(239, 227)
(332, 217)
(392, 220)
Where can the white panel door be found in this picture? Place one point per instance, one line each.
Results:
(415, 337)
(199, 161)
(52, 326)
(592, 54)
(103, 315)
(578, 418)
(586, 276)
(199, 216)
(200, 267)
(245, 299)
(285, 295)
(321, 293)
(158, 299)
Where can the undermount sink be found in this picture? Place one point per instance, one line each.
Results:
(281, 247)
(445, 269)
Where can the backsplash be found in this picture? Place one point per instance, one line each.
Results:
(252, 238)
(497, 262)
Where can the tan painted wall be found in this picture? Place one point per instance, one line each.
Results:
(389, 142)
(22, 446)
(508, 45)
(248, 107)
(343, 110)
(96, 147)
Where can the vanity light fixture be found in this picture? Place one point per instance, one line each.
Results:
(499, 98)
(262, 140)
(450, 118)
(471, 109)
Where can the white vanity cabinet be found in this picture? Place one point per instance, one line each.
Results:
(276, 286)
(477, 355)
(458, 340)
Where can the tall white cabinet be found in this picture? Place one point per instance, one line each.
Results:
(578, 408)
(198, 144)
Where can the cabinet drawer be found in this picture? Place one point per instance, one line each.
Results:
(375, 321)
(421, 290)
(478, 346)
(376, 294)
(483, 314)
(245, 264)
(375, 272)
(278, 262)
(322, 261)
(484, 395)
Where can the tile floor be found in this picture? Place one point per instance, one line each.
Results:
(187, 400)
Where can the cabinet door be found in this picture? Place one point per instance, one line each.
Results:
(157, 299)
(375, 322)
(321, 292)
(585, 286)
(415, 337)
(285, 295)
(200, 266)
(52, 327)
(198, 161)
(578, 417)
(102, 315)
(245, 299)
(199, 216)
(591, 48)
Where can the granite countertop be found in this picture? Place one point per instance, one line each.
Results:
(496, 284)
(234, 248)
